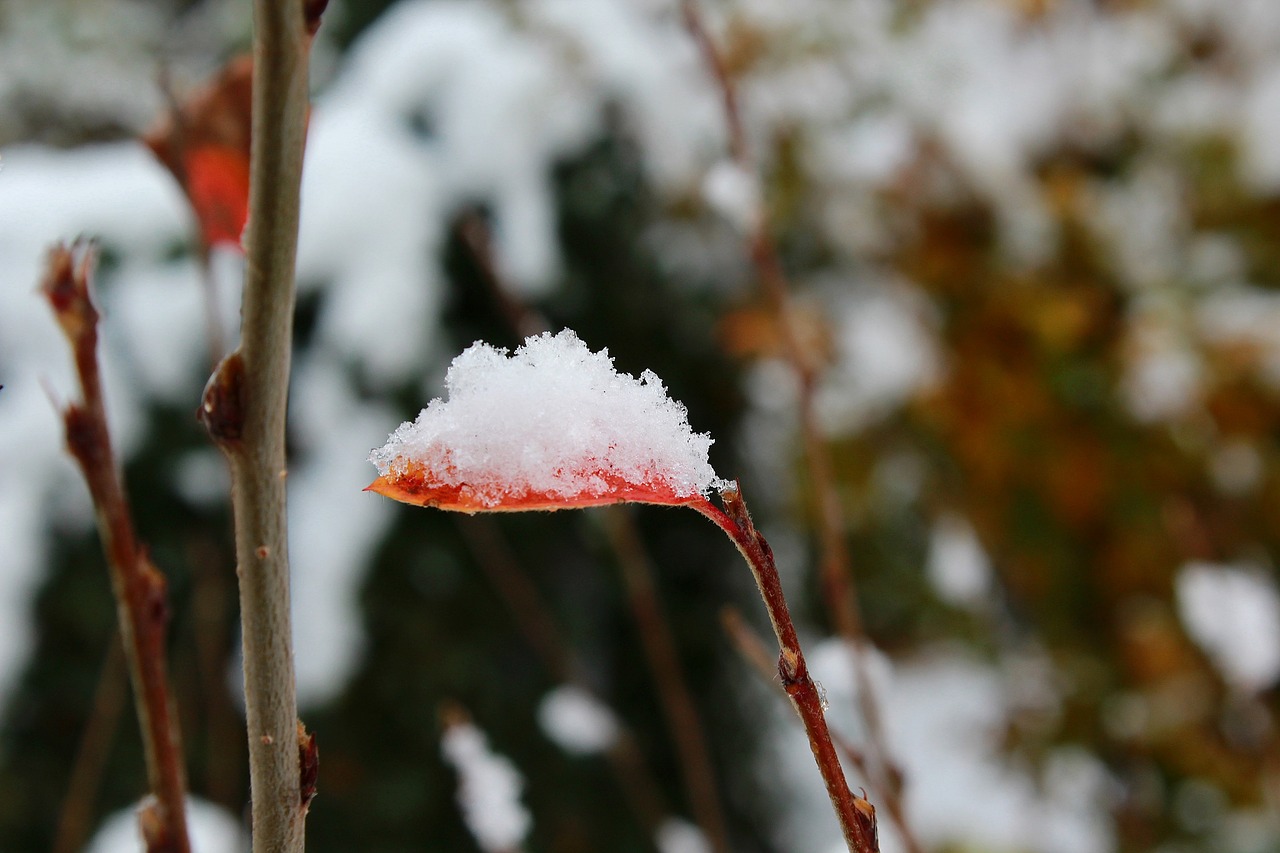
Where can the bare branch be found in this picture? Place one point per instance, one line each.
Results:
(140, 588)
(245, 406)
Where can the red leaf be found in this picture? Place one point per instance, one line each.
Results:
(417, 487)
(204, 142)
(218, 186)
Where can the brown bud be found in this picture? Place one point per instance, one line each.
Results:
(222, 407)
(308, 766)
(66, 286)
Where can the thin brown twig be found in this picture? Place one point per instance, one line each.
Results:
(673, 687)
(754, 652)
(244, 408)
(105, 711)
(656, 638)
(534, 620)
(140, 588)
(857, 816)
(532, 616)
(212, 596)
(839, 590)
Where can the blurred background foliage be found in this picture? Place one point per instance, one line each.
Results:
(1057, 353)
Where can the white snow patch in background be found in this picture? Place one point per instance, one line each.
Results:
(735, 194)
(1142, 221)
(212, 829)
(951, 748)
(944, 714)
(202, 478)
(553, 418)
(957, 565)
(885, 354)
(870, 150)
(1163, 373)
(639, 56)
(334, 527)
(577, 721)
(1260, 163)
(679, 836)
(489, 789)
(1233, 612)
(1244, 315)
(46, 196)
(370, 226)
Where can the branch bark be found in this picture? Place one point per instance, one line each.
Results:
(857, 816)
(244, 409)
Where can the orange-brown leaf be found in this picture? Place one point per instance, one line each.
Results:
(204, 142)
(417, 487)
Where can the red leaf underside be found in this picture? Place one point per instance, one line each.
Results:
(218, 185)
(414, 486)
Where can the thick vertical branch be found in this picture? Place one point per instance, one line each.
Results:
(857, 816)
(140, 588)
(244, 408)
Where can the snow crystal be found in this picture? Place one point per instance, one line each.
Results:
(1233, 612)
(488, 789)
(553, 419)
(212, 829)
(577, 721)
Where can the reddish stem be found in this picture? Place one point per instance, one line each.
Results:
(839, 591)
(139, 587)
(856, 815)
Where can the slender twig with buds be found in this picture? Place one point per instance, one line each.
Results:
(140, 588)
(857, 816)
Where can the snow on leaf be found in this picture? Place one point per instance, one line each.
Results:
(551, 426)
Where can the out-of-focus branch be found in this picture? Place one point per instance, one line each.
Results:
(534, 620)
(244, 409)
(75, 819)
(140, 588)
(839, 591)
(673, 687)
